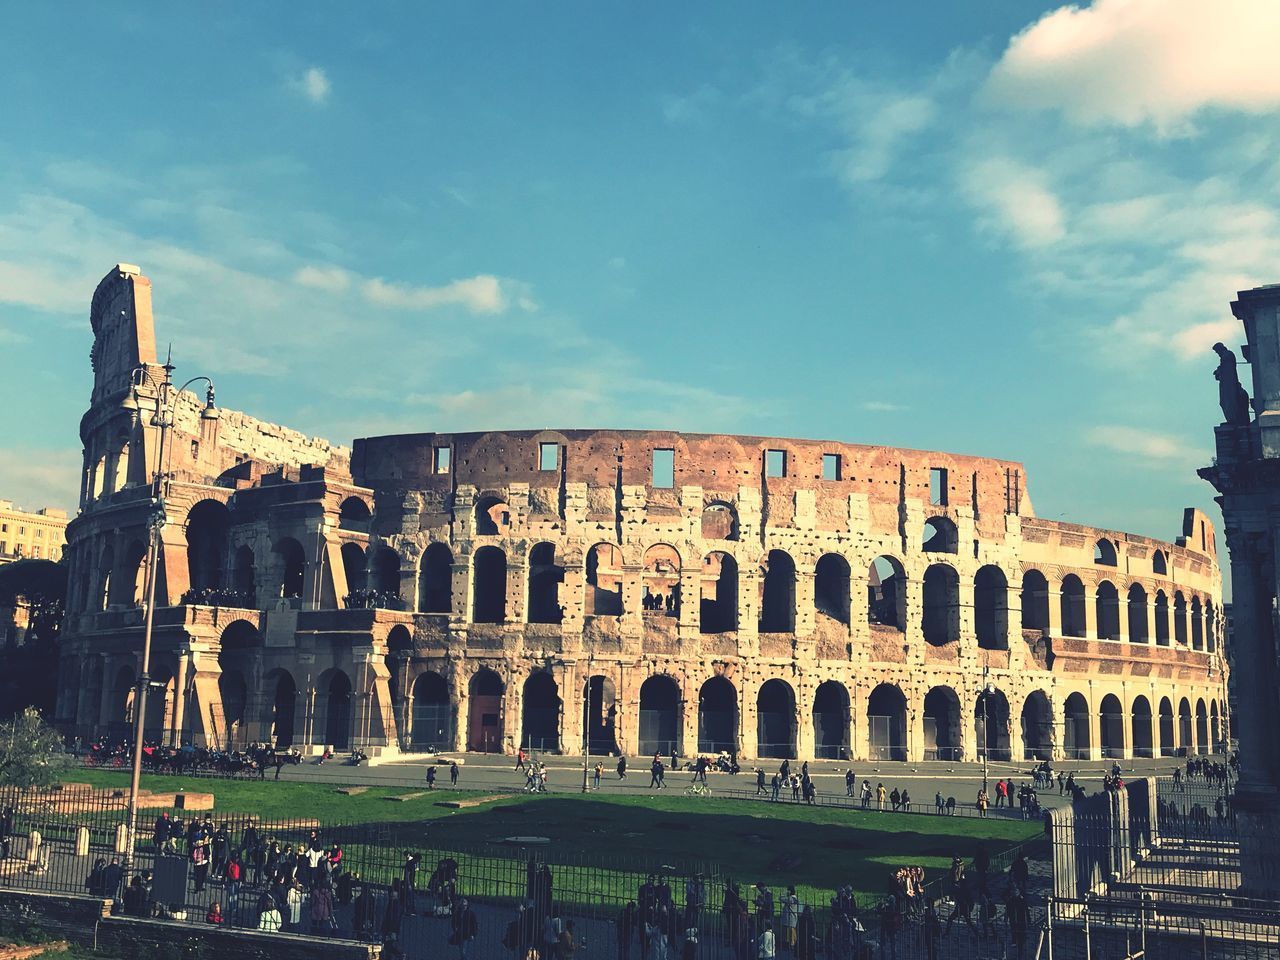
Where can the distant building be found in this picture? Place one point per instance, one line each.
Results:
(38, 535)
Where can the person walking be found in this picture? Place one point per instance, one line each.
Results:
(599, 771)
(520, 758)
(431, 778)
(465, 928)
(880, 796)
(850, 781)
(453, 773)
(622, 768)
(760, 787)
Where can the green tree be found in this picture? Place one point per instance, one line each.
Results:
(41, 587)
(31, 752)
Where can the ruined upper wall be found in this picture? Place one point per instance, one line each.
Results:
(718, 463)
(123, 330)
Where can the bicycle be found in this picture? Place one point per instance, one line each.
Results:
(697, 790)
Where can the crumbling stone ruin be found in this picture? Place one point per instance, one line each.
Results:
(628, 591)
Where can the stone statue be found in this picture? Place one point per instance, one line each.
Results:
(1231, 396)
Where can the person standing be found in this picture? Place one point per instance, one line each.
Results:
(806, 935)
(626, 930)
(234, 876)
(431, 778)
(409, 882)
(322, 909)
(850, 781)
(982, 803)
(393, 916)
(766, 949)
(465, 928)
(599, 771)
(622, 768)
(199, 865)
(294, 900)
(790, 917)
(880, 796)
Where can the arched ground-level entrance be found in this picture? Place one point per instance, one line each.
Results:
(1111, 726)
(942, 734)
(776, 720)
(887, 723)
(484, 721)
(333, 701)
(718, 717)
(659, 715)
(602, 715)
(831, 721)
(1168, 737)
(283, 691)
(540, 713)
(991, 725)
(1141, 735)
(1075, 733)
(432, 714)
(1037, 727)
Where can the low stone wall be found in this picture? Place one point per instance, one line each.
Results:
(88, 920)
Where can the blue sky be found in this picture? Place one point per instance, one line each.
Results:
(991, 228)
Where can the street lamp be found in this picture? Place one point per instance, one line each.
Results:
(988, 689)
(166, 400)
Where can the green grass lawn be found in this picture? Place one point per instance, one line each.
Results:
(819, 848)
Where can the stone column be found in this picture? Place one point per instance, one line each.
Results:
(859, 741)
(179, 698)
(968, 725)
(1095, 724)
(1055, 611)
(805, 616)
(804, 718)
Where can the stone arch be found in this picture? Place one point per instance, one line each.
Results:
(1202, 727)
(1168, 731)
(718, 716)
(1197, 625)
(435, 579)
(489, 585)
(1035, 601)
(991, 725)
(1037, 726)
(991, 608)
(939, 536)
(207, 528)
(1072, 603)
(122, 694)
(660, 579)
(484, 722)
(659, 715)
(943, 738)
(106, 567)
(386, 572)
(545, 576)
(1111, 723)
(776, 720)
(1075, 739)
(831, 578)
(1104, 553)
(886, 593)
(492, 516)
(354, 515)
(239, 654)
(333, 709)
(604, 581)
(1179, 619)
(887, 723)
(1162, 619)
(831, 721)
(602, 716)
(353, 565)
(291, 562)
(1107, 611)
(1159, 563)
(281, 703)
(778, 594)
(432, 727)
(1215, 729)
(719, 521)
(540, 708)
(1186, 735)
(130, 584)
(244, 577)
(718, 605)
(1140, 733)
(940, 618)
(1137, 614)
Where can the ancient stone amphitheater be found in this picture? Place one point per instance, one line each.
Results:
(614, 591)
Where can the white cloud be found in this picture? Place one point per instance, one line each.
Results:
(1016, 200)
(479, 294)
(329, 279)
(1144, 444)
(882, 406)
(312, 83)
(1132, 62)
(877, 124)
(36, 477)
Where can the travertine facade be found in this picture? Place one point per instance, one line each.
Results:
(626, 590)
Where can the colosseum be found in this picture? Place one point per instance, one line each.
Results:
(610, 591)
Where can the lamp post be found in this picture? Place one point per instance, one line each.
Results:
(162, 418)
(987, 690)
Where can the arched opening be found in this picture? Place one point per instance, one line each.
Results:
(1107, 611)
(386, 577)
(778, 594)
(1215, 731)
(432, 713)
(1162, 619)
(484, 723)
(354, 515)
(493, 517)
(1168, 738)
(353, 562)
(718, 606)
(540, 713)
(489, 585)
(942, 734)
(660, 581)
(1210, 626)
(941, 614)
(106, 566)
(280, 687)
(939, 536)
(604, 581)
(336, 694)
(120, 714)
(887, 723)
(1143, 745)
(991, 725)
(719, 522)
(776, 720)
(602, 716)
(545, 577)
(1137, 614)
(659, 715)
(991, 608)
(159, 704)
(1197, 625)
(1037, 727)
(1104, 553)
(1111, 726)
(399, 653)
(1035, 601)
(1179, 619)
(831, 588)
(718, 717)
(831, 721)
(1075, 740)
(435, 580)
(1159, 564)
(1186, 736)
(239, 656)
(291, 566)
(131, 584)
(1202, 727)
(233, 692)
(886, 593)
(1072, 601)
(244, 578)
(208, 524)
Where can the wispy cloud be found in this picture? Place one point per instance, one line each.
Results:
(330, 279)
(1015, 198)
(1145, 445)
(479, 294)
(312, 83)
(882, 406)
(35, 477)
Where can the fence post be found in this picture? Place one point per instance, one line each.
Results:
(1204, 942)
(1088, 938)
(1048, 923)
(82, 841)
